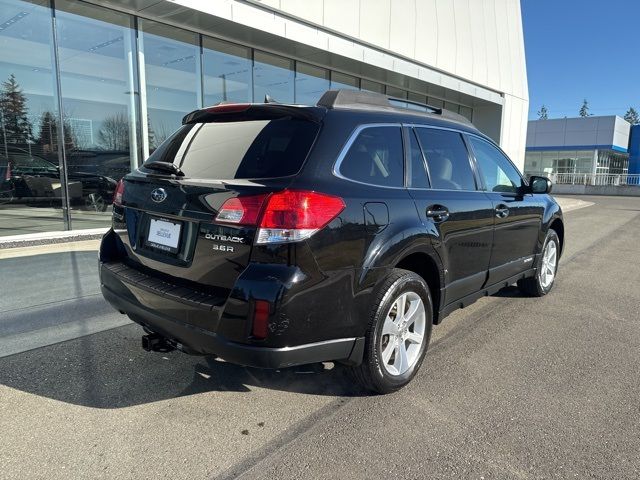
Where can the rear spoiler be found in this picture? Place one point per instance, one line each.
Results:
(237, 112)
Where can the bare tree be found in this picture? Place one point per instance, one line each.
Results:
(114, 134)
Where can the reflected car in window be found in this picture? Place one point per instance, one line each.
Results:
(26, 178)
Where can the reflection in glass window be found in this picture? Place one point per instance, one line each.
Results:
(245, 149)
(370, 86)
(452, 107)
(172, 78)
(466, 112)
(419, 99)
(273, 76)
(311, 83)
(376, 157)
(226, 72)
(447, 159)
(343, 81)
(95, 48)
(498, 172)
(30, 186)
(396, 92)
(435, 102)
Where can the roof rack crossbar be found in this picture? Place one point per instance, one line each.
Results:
(358, 100)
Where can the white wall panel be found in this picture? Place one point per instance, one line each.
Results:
(402, 28)
(478, 41)
(464, 46)
(343, 16)
(446, 25)
(374, 22)
(426, 43)
(514, 128)
(310, 10)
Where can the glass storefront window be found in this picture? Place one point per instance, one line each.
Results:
(396, 92)
(171, 75)
(435, 102)
(344, 81)
(95, 48)
(31, 191)
(466, 112)
(226, 72)
(370, 86)
(452, 107)
(533, 162)
(415, 97)
(311, 83)
(273, 76)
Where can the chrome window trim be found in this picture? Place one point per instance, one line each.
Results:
(349, 143)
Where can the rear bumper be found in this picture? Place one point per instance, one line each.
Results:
(195, 339)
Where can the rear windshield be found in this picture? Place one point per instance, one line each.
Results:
(248, 149)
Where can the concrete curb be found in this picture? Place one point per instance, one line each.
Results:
(48, 238)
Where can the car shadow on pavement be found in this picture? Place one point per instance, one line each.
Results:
(511, 291)
(110, 370)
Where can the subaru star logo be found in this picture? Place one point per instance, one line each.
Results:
(159, 195)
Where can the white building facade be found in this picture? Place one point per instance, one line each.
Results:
(102, 83)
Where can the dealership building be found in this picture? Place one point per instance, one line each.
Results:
(89, 89)
(583, 145)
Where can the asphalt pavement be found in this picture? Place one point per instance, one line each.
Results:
(512, 387)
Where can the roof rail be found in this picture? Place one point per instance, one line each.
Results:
(371, 100)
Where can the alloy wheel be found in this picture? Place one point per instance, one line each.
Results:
(403, 333)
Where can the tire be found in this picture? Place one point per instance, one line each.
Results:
(546, 270)
(386, 366)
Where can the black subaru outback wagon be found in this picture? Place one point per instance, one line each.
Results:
(275, 235)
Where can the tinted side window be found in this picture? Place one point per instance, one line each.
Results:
(447, 159)
(498, 172)
(418, 172)
(376, 157)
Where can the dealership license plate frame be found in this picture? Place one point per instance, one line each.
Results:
(156, 243)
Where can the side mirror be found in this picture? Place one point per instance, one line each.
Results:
(540, 184)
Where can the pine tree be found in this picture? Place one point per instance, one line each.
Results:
(543, 113)
(584, 110)
(632, 116)
(14, 113)
(48, 133)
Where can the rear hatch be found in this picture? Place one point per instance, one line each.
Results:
(188, 210)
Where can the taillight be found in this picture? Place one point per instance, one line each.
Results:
(119, 192)
(286, 216)
(293, 215)
(7, 175)
(241, 210)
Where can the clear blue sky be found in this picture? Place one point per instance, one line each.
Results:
(579, 49)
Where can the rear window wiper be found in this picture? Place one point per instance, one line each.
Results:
(164, 167)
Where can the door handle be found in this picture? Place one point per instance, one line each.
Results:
(438, 213)
(502, 211)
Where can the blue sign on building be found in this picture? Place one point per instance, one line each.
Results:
(634, 151)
